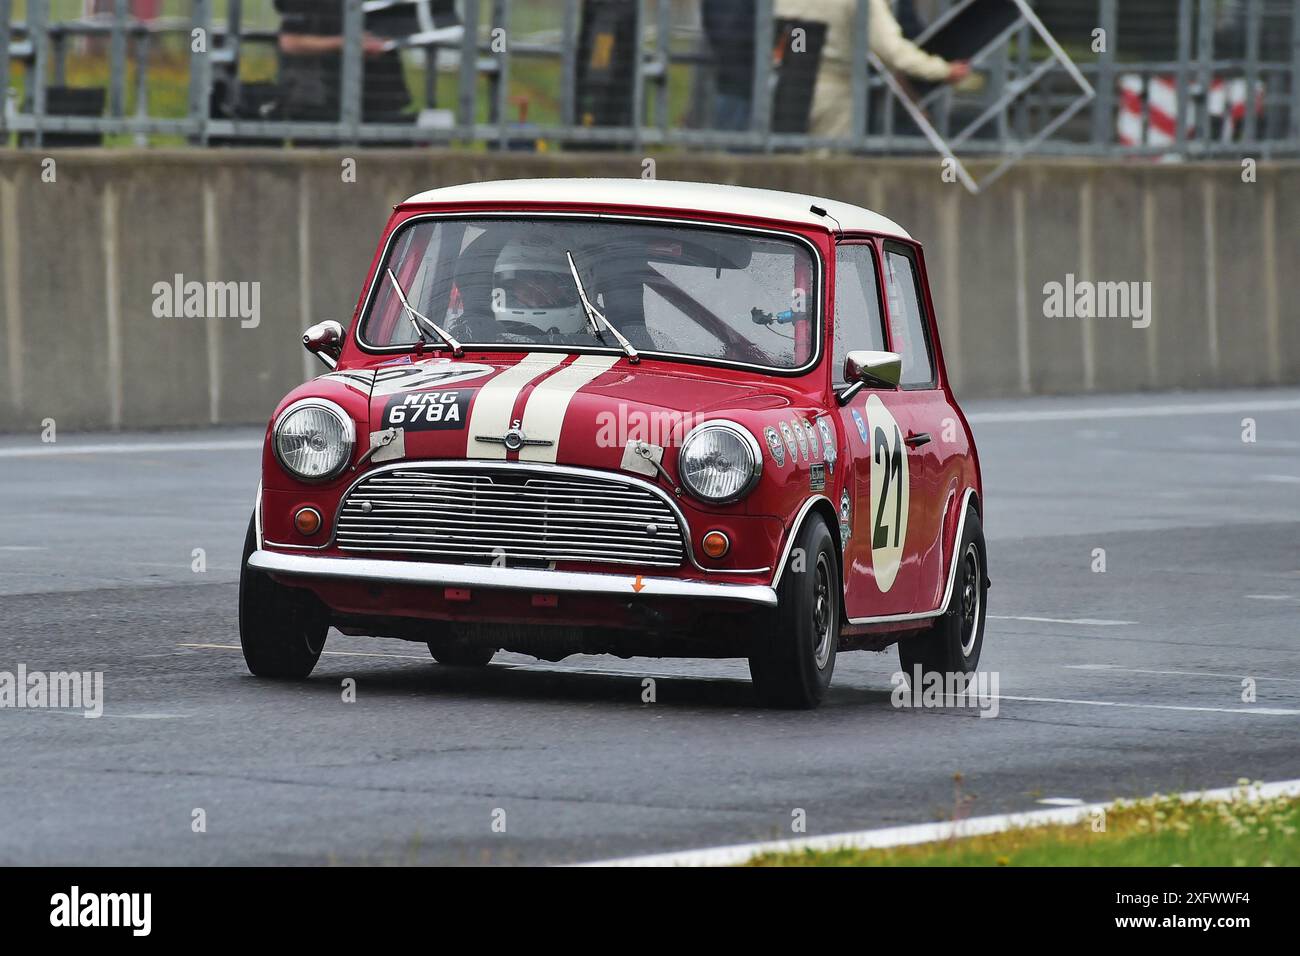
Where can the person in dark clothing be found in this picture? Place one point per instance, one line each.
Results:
(908, 18)
(729, 26)
(311, 65)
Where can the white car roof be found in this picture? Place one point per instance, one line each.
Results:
(665, 194)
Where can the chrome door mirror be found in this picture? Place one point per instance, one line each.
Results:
(325, 341)
(863, 367)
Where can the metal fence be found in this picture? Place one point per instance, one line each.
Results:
(1186, 78)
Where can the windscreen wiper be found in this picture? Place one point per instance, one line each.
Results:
(595, 320)
(423, 322)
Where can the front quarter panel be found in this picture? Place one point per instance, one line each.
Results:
(282, 494)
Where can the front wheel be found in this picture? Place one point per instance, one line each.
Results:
(794, 653)
(952, 644)
(281, 630)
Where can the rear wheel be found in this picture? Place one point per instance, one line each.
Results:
(452, 654)
(281, 630)
(794, 653)
(952, 644)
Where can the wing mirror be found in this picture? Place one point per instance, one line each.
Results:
(863, 368)
(325, 341)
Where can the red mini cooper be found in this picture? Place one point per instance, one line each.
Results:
(628, 417)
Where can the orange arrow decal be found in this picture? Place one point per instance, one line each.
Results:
(637, 585)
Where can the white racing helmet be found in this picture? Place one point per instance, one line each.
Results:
(532, 284)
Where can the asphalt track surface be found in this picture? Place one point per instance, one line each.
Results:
(1113, 684)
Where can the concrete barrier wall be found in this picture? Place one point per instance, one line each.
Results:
(80, 257)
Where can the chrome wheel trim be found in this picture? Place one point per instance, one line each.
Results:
(971, 597)
(823, 613)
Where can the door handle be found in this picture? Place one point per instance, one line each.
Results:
(917, 440)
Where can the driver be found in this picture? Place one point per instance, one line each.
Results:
(532, 286)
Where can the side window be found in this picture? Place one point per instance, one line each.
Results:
(857, 305)
(906, 319)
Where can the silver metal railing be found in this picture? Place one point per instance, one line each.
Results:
(1230, 69)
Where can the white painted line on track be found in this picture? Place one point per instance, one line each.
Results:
(1252, 711)
(1087, 621)
(128, 448)
(1131, 411)
(593, 672)
(73, 712)
(1140, 670)
(236, 647)
(182, 566)
(538, 667)
(399, 657)
(1273, 597)
(147, 716)
(1061, 802)
(922, 832)
(544, 667)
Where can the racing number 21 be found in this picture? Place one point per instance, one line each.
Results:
(888, 455)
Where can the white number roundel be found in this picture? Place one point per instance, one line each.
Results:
(889, 492)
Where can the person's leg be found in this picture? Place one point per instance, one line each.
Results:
(731, 112)
(832, 108)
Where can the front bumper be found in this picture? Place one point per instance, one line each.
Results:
(508, 579)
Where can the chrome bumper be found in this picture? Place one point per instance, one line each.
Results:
(508, 579)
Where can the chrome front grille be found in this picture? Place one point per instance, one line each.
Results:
(524, 514)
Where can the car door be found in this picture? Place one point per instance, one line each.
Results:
(880, 566)
(924, 419)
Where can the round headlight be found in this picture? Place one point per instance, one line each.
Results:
(313, 439)
(719, 462)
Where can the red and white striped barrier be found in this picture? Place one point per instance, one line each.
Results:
(1148, 107)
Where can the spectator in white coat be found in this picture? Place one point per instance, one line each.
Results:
(832, 109)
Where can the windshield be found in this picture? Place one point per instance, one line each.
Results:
(703, 293)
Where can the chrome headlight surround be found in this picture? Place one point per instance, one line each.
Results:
(347, 441)
(747, 472)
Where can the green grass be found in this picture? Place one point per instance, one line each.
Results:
(168, 86)
(257, 13)
(1160, 831)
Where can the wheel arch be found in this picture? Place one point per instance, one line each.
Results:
(819, 505)
(959, 502)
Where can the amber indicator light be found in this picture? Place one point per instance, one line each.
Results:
(715, 544)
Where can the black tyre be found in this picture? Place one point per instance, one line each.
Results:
(952, 644)
(282, 630)
(452, 654)
(794, 654)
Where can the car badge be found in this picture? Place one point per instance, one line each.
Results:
(817, 476)
(814, 447)
(846, 518)
(828, 443)
(513, 440)
(862, 426)
(790, 445)
(801, 438)
(774, 446)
